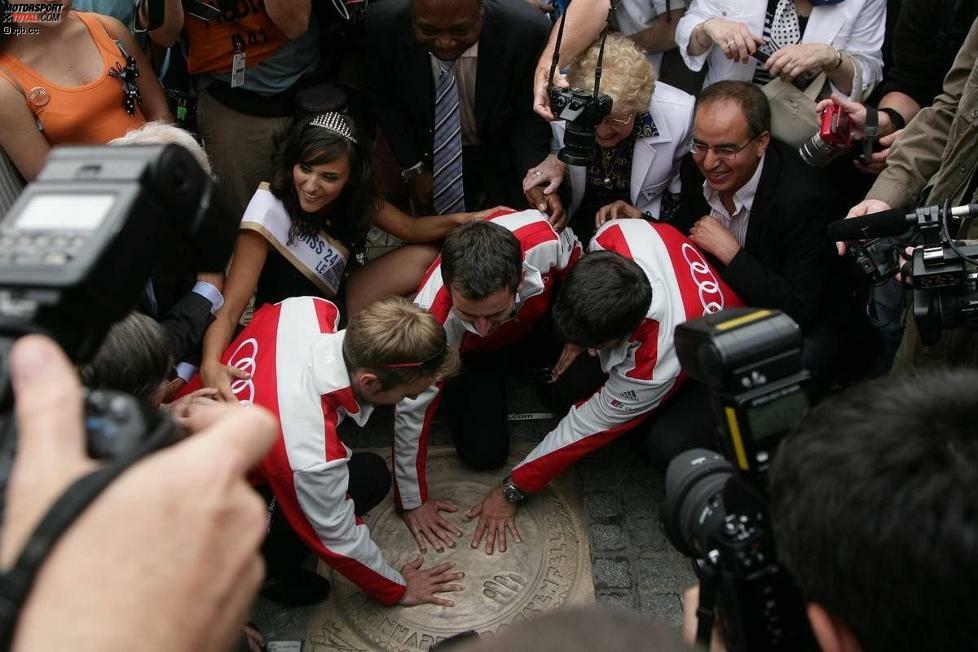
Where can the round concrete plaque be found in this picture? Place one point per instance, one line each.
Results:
(549, 569)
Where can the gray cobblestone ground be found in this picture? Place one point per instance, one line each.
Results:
(633, 564)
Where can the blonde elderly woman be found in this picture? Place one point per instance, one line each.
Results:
(634, 166)
(842, 38)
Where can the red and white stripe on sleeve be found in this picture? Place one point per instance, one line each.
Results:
(643, 371)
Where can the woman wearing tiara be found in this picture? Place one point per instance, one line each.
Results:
(304, 234)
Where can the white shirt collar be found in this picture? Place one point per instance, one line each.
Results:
(743, 198)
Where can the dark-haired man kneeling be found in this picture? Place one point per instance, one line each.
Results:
(621, 303)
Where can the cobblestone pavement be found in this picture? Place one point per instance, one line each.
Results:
(633, 564)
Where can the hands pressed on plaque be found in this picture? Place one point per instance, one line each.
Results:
(497, 517)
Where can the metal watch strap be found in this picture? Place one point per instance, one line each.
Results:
(511, 492)
(414, 171)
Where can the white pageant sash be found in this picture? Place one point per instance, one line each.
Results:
(319, 257)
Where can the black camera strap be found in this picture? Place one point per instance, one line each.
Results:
(16, 583)
(870, 132)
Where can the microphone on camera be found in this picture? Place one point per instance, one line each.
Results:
(895, 222)
(874, 225)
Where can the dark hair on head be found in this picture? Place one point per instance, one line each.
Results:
(355, 208)
(751, 100)
(134, 358)
(480, 258)
(874, 502)
(605, 298)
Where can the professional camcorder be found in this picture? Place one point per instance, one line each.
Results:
(581, 110)
(943, 271)
(716, 511)
(76, 251)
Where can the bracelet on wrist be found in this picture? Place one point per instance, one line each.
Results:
(414, 171)
(838, 62)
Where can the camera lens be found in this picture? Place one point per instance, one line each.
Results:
(818, 153)
(693, 508)
(578, 143)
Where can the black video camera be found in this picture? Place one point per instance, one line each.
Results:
(76, 250)
(943, 271)
(716, 512)
(581, 110)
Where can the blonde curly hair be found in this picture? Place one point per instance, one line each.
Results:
(626, 75)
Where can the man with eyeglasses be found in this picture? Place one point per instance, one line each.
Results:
(312, 377)
(760, 212)
(490, 288)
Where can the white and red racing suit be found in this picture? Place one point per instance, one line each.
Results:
(643, 370)
(295, 357)
(547, 256)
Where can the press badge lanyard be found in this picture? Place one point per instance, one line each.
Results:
(238, 59)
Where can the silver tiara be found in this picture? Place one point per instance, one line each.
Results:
(336, 123)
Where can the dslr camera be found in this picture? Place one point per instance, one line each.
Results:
(715, 510)
(581, 110)
(943, 271)
(76, 250)
(833, 138)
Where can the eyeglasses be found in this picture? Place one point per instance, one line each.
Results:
(619, 122)
(722, 152)
(413, 365)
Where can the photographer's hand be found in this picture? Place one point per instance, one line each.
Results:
(855, 110)
(864, 207)
(497, 517)
(173, 540)
(878, 159)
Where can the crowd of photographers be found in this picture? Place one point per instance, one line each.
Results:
(427, 197)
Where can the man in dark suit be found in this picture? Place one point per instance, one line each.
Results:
(751, 203)
(760, 212)
(490, 46)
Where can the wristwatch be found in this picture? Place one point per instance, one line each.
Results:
(511, 492)
(414, 171)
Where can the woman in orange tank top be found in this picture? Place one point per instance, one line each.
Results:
(79, 80)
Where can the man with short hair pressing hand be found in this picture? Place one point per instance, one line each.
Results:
(312, 377)
(489, 288)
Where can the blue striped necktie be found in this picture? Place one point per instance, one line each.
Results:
(447, 187)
